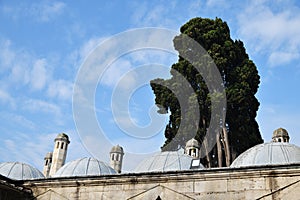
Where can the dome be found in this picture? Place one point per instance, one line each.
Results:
(48, 155)
(62, 136)
(117, 149)
(84, 167)
(280, 132)
(19, 171)
(280, 135)
(166, 161)
(192, 143)
(273, 153)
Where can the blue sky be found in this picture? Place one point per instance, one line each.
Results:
(44, 43)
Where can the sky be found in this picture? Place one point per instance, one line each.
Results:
(45, 44)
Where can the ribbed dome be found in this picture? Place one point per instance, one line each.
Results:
(192, 143)
(166, 161)
(272, 153)
(84, 167)
(19, 171)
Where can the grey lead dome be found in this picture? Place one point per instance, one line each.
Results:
(84, 167)
(19, 171)
(166, 161)
(273, 153)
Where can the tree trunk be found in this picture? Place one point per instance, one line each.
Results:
(219, 149)
(207, 153)
(226, 147)
(206, 144)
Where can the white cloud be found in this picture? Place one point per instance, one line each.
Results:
(115, 72)
(282, 58)
(43, 11)
(164, 15)
(60, 89)
(49, 10)
(195, 6)
(74, 31)
(9, 144)
(154, 16)
(28, 71)
(80, 55)
(6, 98)
(38, 74)
(20, 70)
(89, 46)
(125, 121)
(17, 119)
(93, 68)
(147, 56)
(267, 30)
(10, 11)
(36, 105)
(20, 73)
(115, 66)
(6, 54)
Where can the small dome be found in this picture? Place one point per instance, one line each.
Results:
(62, 136)
(117, 149)
(48, 155)
(166, 161)
(281, 132)
(272, 153)
(192, 143)
(19, 171)
(84, 167)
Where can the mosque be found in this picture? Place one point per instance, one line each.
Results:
(265, 171)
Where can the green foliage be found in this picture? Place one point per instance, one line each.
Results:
(240, 78)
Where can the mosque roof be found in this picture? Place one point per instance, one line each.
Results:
(19, 171)
(84, 167)
(273, 153)
(166, 161)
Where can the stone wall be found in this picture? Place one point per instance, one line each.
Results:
(281, 182)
